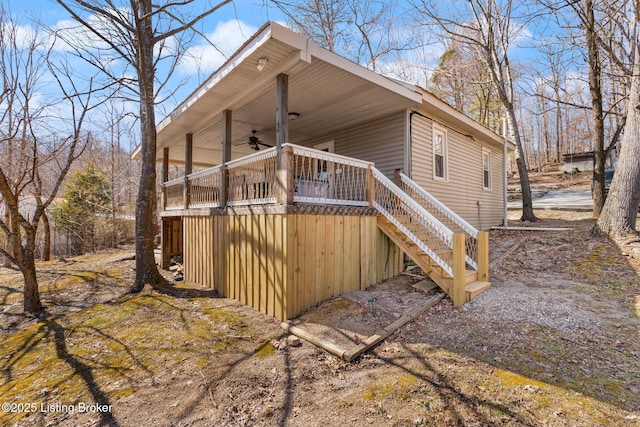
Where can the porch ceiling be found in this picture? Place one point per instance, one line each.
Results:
(327, 91)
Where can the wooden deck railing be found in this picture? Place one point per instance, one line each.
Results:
(446, 216)
(314, 176)
(307, 175)
(252, 179)
(173, 194)
(328, 178)
(204, 188)
(426, 231)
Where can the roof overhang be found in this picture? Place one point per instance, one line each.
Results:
(438, 109)
(330, 93)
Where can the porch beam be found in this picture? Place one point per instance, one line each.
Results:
(188, 167)
(226, 156)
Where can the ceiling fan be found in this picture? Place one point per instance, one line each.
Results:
(255, 143)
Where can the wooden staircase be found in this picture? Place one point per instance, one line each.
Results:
(472, 286)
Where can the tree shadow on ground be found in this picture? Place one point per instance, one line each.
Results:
(447, 390)
(187, 292)
(83, 370)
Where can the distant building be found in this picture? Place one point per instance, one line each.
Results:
(579, 162)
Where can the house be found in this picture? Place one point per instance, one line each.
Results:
(316, 175)
(584, 161)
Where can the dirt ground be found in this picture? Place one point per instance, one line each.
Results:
(555, 180)
(554, 342)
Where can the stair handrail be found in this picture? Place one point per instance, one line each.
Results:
(471, 233)
(435, 226)
(459, 221)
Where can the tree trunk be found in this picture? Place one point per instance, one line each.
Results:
(46, 252)
(595, 89)
(6, 262)
(618, 216)
(25, 260)
(523, 173)
(32, 302)
(146, 269)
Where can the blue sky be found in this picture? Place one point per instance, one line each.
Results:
(227, 29)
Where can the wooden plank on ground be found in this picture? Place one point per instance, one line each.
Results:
(355, 352)
(328, 346)
(424, 285)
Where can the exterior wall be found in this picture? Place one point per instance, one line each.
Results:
(380, 142)
(463, 188)
(283, 264)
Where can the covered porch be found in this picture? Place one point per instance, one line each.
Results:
(282, 239)
(280, 225)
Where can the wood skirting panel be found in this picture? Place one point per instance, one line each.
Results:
(282, 265)
(204, 242)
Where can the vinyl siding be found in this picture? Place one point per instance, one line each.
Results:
(380, 142)
(463, 187)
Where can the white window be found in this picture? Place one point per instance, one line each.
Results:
(439, 153)
(486, 169)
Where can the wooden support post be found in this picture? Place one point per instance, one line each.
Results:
(370, 189)
(397, 180)
(188, 167)
(165, 176)
(165, 164)
(164, 241)
(226, 156)
(285, 176)
(483, 256)
(282, 136)
(458, 292)
(282, 111)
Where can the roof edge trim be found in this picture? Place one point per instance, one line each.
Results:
(261, 37)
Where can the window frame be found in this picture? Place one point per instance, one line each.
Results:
(438, 130)
(486, 185)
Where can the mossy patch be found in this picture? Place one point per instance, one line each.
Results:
(378, 392)
(341, 304)
(223, 316)
(108, 350)
(265, 350)
(511, 379)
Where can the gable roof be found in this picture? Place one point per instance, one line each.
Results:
(329, 92)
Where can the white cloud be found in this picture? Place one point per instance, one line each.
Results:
(224, 41)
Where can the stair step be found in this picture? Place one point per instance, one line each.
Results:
(436, 251)
(475, 288)
(470, 276)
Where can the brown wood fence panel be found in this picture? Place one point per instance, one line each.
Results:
(281, 264)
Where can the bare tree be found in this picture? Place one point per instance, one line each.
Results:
(600, 31)
(463, 81)
(23, 116)
(143, 34)
(363, 31)
(488, 27)
(618, 216)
